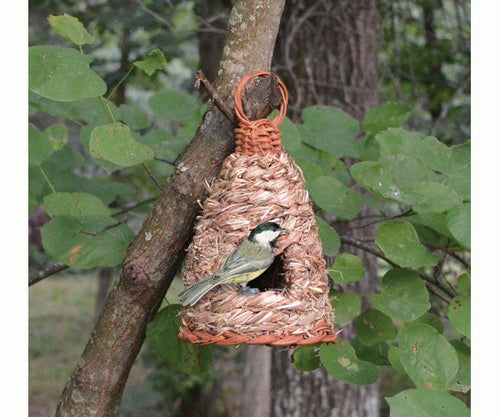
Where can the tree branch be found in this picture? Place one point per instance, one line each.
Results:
(432, 285)
(96, 385)
(47, 272)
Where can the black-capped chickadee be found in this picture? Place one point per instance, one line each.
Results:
(250, 259)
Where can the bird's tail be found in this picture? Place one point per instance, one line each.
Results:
(191, 295)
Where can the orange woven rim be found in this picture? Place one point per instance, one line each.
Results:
(321, 333)
(263, 135)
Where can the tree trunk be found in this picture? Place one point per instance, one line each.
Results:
(256, 399)
(326, 53)
(96, 386)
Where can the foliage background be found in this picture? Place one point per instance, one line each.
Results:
(181, 57)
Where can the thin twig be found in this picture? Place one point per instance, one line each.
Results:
(383, 219)
(428, 281)
(165, 161)
(127, 209)
(95, 234)
(47, 272)
(201, 79)
(150, 174)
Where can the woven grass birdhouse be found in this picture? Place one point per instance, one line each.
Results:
(259, 182)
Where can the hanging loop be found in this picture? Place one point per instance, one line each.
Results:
(263, 135)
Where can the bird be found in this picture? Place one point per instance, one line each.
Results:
(249, 260)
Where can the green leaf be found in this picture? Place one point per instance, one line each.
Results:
(174, 105)
(335, 198)
(341, 362)
(54, 108)
(155, 61)
(462, 381)
(184, 357)
(58, 135)
(458, 223)
(290, 137)
(459, 170)
(347, 268)
(329, 129)
(115, 143)
(428, 358)
(386, 115)
(459, 314)
(436, 221)
(40, 146)
(393, 356)
(347, 306)
(330, 240)
(86, 242)
(92, 111)
(376, 179)
(403, 295)
(62, 74)
(71, 29)
(305, 358)
(334, 167)
(428, 150)
(373, 326)
(429, 319)
(463, 284)
(392, 178)
(75, 204)
(311, 170)
(423, 403)
(375, 353)
(85, 133)
(133, 117)
(434, 197)
(398, 240)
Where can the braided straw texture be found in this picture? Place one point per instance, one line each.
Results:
(252, 189)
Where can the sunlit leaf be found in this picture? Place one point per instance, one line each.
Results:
(428, 358)
(329, 129)
(71, 29)
(399, 241)
(341, 362)
(86, 242)
(459, 314)
(115, 143)
(403, 295)
(62, 74)
(347, 306)
(386, 115)
(155, 61)
(335, 198)
(40, 146)
(75, 204)
(347, 268)
(423, 403)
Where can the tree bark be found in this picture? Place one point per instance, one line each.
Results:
(96, 385)
(326, 53)
(256, 400)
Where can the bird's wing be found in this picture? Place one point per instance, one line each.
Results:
(236, 265)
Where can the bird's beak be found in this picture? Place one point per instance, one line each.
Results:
(284, 232)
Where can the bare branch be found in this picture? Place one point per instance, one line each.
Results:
(47, 272)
